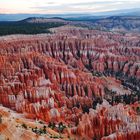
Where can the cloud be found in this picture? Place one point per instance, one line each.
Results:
(65, 6)
(87, 7)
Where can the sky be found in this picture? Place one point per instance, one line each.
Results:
(65, 6)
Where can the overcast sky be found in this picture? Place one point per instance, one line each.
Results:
(65, 6)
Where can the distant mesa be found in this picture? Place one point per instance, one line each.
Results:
(44, 20)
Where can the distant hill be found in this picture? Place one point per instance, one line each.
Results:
(44, 20)
(94, 15)
(29, 26)
(36, 25)
(118, 23)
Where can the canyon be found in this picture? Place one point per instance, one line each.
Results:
(80, 84)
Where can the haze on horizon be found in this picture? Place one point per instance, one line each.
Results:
(64, 6)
